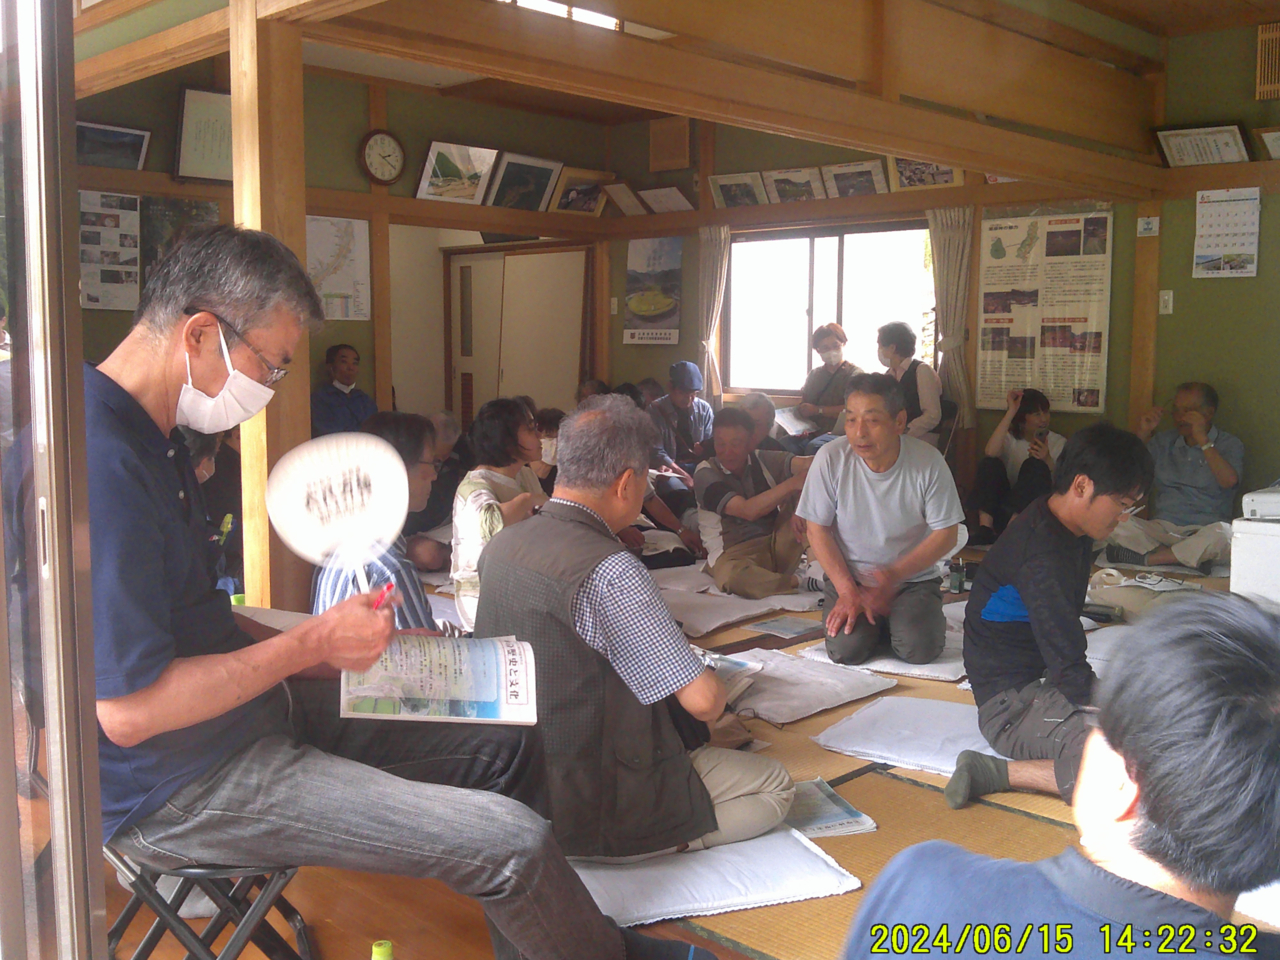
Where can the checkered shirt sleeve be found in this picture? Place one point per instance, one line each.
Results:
(620, 612)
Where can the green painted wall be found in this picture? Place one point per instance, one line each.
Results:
(1211, 80)
(335, 115)
(744, 151)
(142, 23)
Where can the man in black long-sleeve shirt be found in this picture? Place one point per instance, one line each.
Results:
(1024, 646)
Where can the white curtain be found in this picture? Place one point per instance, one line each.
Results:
(951, 236)
(713, 271)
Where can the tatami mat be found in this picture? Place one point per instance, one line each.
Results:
(1036, 804)
(906, 814)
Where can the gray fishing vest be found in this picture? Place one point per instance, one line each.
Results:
(620, 779)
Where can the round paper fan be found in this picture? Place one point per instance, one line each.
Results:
(339, 494)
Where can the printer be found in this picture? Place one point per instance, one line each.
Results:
(1255, 546)
(1262, 504)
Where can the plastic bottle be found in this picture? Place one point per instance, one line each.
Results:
(956, 577)
(381, 950)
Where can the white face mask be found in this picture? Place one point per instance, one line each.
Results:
(884, 358)
(549, 450)
(240, 398)
(831, 357)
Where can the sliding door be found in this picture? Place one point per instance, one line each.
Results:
(476, 282)
(542, 305)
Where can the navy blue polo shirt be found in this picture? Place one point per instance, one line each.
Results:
(154, 600)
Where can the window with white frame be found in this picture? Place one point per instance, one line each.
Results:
(783, 286)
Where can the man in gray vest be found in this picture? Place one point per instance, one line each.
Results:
(622, 698)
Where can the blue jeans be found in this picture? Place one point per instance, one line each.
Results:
(414, 799)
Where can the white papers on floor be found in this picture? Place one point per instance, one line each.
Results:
(789, 688)
(780, 867)
(949, 665)
(700, 613)
(444, 609)
(736, 675)
(818, 811)
(1104, 644)
(1262, 904)
(908, 732)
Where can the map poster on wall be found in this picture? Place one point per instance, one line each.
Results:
(652, 311)
(1046, 309)
(1227, 232)
(338, 262)
(108, 251)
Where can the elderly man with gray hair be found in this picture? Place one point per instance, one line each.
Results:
(763, 414)
(623, 700)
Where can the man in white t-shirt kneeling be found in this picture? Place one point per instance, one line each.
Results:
(882, 509)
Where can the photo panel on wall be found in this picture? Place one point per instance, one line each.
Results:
(581, 192)
(790, 186)
(857, 179)
(456, 173)
(524, 183)
(905, 174)
(738, 190)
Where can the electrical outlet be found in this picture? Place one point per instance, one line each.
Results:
(613, 306)
(1166, 302)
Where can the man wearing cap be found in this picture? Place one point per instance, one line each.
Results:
(684, 423)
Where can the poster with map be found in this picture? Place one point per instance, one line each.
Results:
(338, 263)
(1045, 309)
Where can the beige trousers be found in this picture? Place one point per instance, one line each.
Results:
(763, 567)
(1191, 545)
(751, 795)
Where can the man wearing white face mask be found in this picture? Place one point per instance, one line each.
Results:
(220, 745)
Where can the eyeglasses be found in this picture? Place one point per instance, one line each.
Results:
(274, 374)
(1134, 507)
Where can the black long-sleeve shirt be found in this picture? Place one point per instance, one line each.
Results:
(1023, 617)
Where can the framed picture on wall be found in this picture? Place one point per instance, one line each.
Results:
(625, 198)
(100, 145)
(1197, 146)
(1269, 137)
(789, 186)
(524, 183)
(905, 174)
(581, 192)
(456, 173)
(204, 136)
(858, 179)
(738, 190)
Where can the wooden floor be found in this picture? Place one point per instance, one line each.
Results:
(347, 911)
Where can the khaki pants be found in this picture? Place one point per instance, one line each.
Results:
(751, 794)
(1191, 545)
(763, 567)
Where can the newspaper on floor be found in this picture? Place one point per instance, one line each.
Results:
(452, 679)
(818, 811)
(736, 675)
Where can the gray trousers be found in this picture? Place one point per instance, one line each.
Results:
(915, 627)
(1037, 723)
(317, 790)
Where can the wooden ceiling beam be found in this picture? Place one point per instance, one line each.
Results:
(309, 11)
(1037, 27)
(105, 11)
(527, 47)
(167, 50)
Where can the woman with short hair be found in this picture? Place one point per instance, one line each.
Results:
(1018, 466)
(501, 490)
(921, 388)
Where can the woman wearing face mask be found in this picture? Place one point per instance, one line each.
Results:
(547, 422)
(1018, 466)
(501, 491)
(822, 396)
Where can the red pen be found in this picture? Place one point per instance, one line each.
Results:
(385, 592)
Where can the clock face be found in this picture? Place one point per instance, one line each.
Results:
(383, 157)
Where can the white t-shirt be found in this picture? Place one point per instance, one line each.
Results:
(1014, 453)
(879, 517)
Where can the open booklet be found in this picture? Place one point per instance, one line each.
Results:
(452, 679)
(789, 419)
(818, 811)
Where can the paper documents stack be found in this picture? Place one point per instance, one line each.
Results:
(789, 419)
(818, 811)
(452, 679)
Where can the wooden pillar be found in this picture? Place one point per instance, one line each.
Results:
(1146, 301)
(706, 163)
(966, 441)
(380, 266)
(601, 317)
(269, 193)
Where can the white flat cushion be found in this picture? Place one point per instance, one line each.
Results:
(789, 688)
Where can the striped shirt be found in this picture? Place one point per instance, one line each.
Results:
(336, 581)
